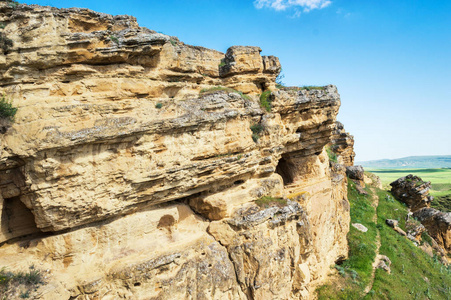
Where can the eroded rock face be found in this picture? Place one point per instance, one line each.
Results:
(438, 225)
(343, 145)
(124, 181)
(413, 191)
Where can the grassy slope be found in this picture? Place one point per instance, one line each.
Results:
(440, 179)
(414, 274)
(356, 271)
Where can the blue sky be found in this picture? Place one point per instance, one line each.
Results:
(391, 59)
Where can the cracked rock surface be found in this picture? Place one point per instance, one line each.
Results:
(128, 173)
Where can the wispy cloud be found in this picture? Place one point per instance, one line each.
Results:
(304, 5)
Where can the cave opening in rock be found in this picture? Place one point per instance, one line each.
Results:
(285, 169)
(16, 219)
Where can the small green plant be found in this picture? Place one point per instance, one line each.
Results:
(340, 270)
(256, 130)
(267, 201)
(159, 105)
(2, 25)
(114, 39)
(222, 63)
(7, 110)
(265, 100)
(173, 42)
(332, 156)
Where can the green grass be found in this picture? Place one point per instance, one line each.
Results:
(224, 89)
(159, 105)
(414, 275)
(267, 201)
(440, 180)
(410, 265)
(265, 100)
(356, 270)
(7, 110)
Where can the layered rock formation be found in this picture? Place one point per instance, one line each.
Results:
(438, 225)
(128, 173)
(413, 191)
(342, 145)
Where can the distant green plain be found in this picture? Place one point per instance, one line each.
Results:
(439, 178)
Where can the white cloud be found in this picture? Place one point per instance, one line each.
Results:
(307, 5)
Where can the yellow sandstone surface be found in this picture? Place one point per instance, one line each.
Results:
(124, 175)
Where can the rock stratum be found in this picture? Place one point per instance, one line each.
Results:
(128, 174)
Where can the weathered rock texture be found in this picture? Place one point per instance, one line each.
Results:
(342, 144)
(124, 181)
(413, 191)
(438, 225)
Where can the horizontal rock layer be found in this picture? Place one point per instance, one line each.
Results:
(413, 191)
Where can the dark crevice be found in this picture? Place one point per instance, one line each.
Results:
(284, 169)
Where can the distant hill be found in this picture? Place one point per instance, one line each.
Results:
(433, 162)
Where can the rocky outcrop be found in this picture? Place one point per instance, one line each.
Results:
(342, 144)
(356, 173)
(413, 191)
(438, 225)
(128, 173)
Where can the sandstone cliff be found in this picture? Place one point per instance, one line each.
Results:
(127, 174)
(342, 144)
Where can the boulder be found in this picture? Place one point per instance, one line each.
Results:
(359, 227)
(413, 191)
(392, 223)
(355, 172)
(384, 263)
